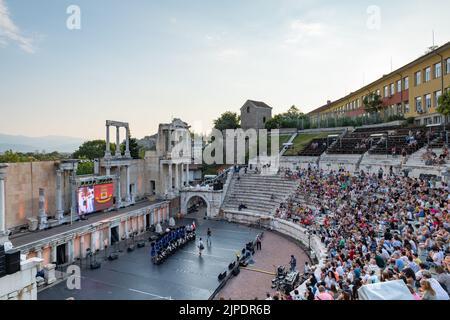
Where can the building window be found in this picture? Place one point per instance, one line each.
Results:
(406, 108)
(417, 77)
(399, 85)
(437, 70)
(448, 65)
(248, 109)
(437, 94)
(264, 119)
(386, 93)
(437, 119)
(392, 89)
(427, 74)
(378, 92)
(419, 104)
(428, 101)
(406, 83)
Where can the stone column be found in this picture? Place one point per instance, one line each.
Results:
(177, 177)
(70, 251)
(127, 168)
(53, 257)
(126, 228)
(118, 195)
(82, 247)
(109, 236)
(127, 143)
(100, 237)
(39, 255)
(73, 205)
(117, 154)
(182, 174)
(59, 196)
(3, 237)
(161, 179)
(93, 236)
(42, 216)
(108, 170)
(170, 178)
(187, 173)
(108, 148)
(144, 221)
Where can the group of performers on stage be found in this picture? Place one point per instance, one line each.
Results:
(171, 241)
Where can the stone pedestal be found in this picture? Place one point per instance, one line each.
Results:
(49, 273)
(59, 195)
(3, 233)
(42, 216)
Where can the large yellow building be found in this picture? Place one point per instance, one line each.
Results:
(412, 91)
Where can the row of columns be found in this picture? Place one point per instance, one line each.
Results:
(127, 142)
(100, 236)
(128, 196)
(183, 167)
(3, 236)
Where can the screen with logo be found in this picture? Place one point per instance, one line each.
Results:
(103, 194)
(95, 198)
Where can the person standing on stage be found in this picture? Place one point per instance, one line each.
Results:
(258, 242)
(293, 263)
(200, 247)
(208, 237)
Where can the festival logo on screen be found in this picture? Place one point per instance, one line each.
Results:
(103, 196)
(86, 200)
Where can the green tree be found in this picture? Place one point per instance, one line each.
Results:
(444, 104)
(92, 150)
(227, 120)
(85, 167)
(275, 122)
(372, 103)
(293, 118)
(134, 148)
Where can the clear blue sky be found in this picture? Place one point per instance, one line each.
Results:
(148, 61)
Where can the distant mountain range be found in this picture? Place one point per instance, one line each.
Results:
(20, 143)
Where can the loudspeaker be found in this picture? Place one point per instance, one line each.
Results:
(113, 256)
(231, 265)
(222, 276)
(236, 271)
(12, 259)
(95, 265)
(141, 244)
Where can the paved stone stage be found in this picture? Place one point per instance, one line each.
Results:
(182, 276)
(249, 284)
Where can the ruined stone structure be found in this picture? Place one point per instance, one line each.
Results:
(255, 114)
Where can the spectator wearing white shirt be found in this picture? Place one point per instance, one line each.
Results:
(441, 294)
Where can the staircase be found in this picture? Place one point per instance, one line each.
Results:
(260, 193)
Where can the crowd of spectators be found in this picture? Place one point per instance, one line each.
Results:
(431, 158)
(376, 228)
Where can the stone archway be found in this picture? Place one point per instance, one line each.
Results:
(193, 196)
(213, 200)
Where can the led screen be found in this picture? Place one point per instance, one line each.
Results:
(95, 198)
(86, 200)
(103, 194)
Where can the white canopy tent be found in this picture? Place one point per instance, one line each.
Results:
(391, 290)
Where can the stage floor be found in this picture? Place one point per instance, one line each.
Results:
(182, 276)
